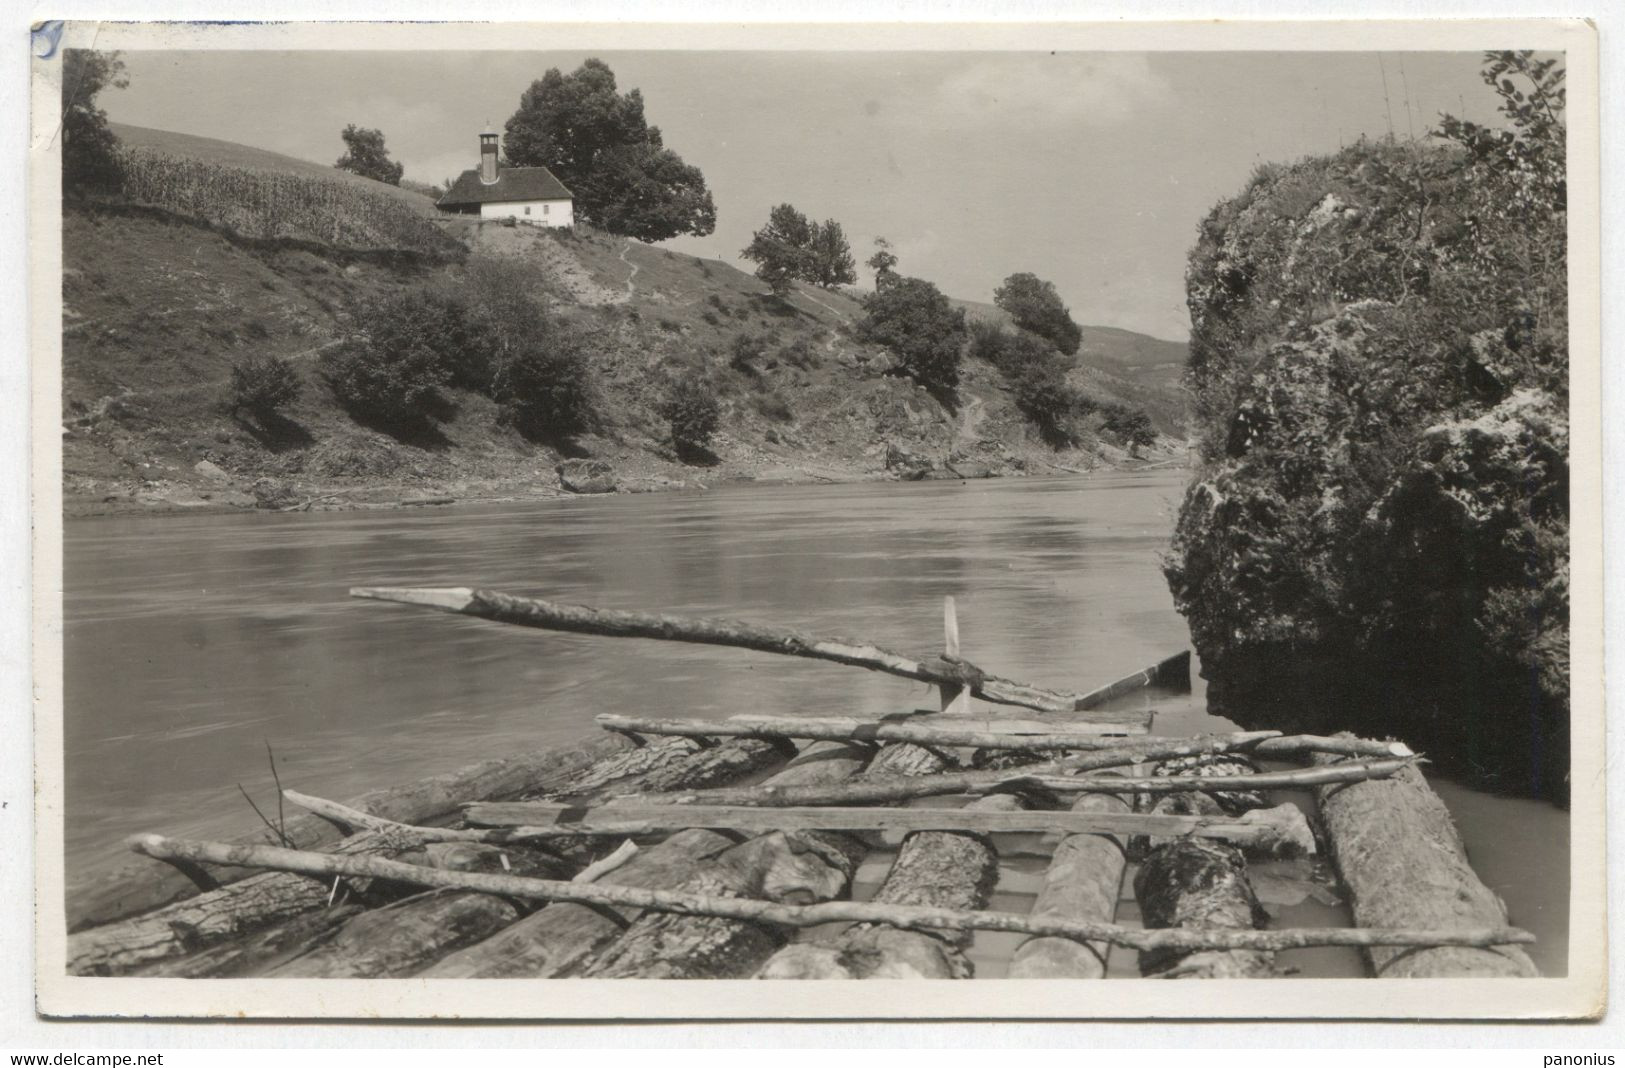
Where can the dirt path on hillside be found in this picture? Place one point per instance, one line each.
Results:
(631, 287)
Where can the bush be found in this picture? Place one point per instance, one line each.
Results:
(391, 361)
(546, 386)
(692, 409)
(912, 319)
(263, 385)
(774, 406)
(748, 348)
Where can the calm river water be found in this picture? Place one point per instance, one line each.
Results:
(192, 642)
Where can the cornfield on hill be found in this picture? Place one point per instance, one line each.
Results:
(266, 204)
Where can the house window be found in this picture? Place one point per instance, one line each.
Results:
(527, 209)
(545, 207)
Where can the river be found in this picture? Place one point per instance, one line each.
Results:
(194, 642)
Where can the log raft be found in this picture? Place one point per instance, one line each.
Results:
(655, 850)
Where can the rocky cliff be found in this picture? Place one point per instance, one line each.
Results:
(1377, 536)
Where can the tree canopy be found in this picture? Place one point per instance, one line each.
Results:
(1034, 305)
(883, 263)
(597, 141)
(790, 248)
(365, 154)
(89, 148)
(913, 319)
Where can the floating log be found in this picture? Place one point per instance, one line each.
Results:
(579, 619)
(802, 867)
(248, 905)
(523, 820)
(141, 885)
(933, 868)
(1402, 861)
(564, 938)
(1083, 882)
(327, 865)
(1197, 884)
(1339, 772)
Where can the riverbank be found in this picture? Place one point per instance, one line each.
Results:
(215, 492)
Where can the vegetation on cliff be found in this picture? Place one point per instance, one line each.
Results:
(1377, 538)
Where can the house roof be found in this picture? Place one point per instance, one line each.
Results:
(513, 183)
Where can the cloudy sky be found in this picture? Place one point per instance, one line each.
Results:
(1089, 169)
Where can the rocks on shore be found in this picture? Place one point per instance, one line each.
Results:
(586, 476)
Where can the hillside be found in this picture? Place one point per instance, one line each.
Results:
(158, 308)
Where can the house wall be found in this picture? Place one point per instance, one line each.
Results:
(540, 212)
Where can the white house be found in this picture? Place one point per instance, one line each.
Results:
(492, 191)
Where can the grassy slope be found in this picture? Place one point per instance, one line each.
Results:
(155, 313)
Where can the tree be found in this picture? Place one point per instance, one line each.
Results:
(366, 155)
(783, 249)
(832, 263)
(883, 263)
(597, 141)
(912, 318)
(89, 148)
(1034, 305)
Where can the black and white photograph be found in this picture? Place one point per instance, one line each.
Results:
(1058, 507)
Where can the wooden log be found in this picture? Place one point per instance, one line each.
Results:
(1046, 776)
(521, 820)
(579, 619)
(240, 908)
(1402, 862)
(327, 865)
(936, 732)
(1083, 882)
(797, 867)
(1109, 725)
(801, 867)
(1339, 772)
(627, 766)
(143, 884)
(1199, 884)
(258, 952)
(399, 940)
(933, 868)
(1174, 674)
(564, 938)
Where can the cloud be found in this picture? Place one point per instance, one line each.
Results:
(1098, 89)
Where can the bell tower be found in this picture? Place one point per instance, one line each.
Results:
(488, 156)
